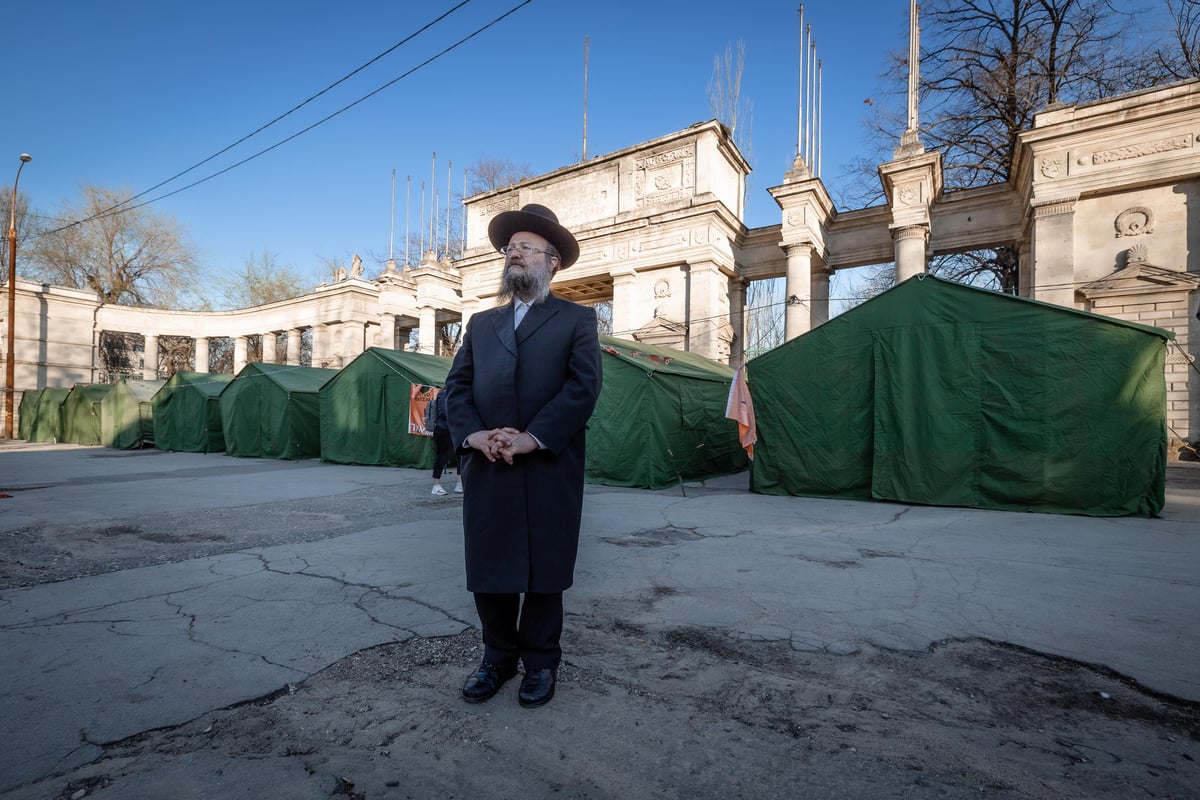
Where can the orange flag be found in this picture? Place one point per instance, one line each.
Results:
(740, 408)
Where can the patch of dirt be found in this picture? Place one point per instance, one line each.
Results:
(50, 552)
(690, 713)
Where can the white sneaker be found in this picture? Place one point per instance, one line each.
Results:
(458, 488)
(437, 489)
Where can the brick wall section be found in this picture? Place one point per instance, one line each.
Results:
(1169, 311)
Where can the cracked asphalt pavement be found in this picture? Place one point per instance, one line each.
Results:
(182, 625)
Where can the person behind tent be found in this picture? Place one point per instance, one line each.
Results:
(435, 422)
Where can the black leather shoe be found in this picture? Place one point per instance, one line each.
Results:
(537, 688)
(483, 683)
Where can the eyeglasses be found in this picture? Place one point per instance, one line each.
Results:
(525, 249)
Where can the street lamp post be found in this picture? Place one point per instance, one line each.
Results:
(10, 373)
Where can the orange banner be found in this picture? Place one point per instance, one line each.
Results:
(418, 398)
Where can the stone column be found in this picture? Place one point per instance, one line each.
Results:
(150, 358)
(293, 347)
(352, 342)
(797, 317)
(737, 319)
(320, 348)
(625, 306)
(909, 243)
(708, 318)
(820, 296)
(239, 354)
(387, 331)
(1053, 256)
(201, 357)
(427, 338)
(268, 347)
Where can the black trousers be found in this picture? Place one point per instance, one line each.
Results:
(528, 631)
(445, 449)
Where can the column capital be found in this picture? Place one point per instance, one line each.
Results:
(911, 232)
(1054, 208)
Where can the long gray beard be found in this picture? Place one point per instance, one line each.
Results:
(527, 286)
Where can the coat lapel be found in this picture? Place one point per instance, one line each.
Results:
(502, 324)
(537, 316)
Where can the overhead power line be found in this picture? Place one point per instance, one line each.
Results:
(124, 206)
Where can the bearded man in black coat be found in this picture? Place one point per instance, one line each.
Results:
(518, 397)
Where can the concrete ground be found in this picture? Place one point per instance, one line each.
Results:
(143, 590)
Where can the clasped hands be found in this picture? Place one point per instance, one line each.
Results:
(502, 443)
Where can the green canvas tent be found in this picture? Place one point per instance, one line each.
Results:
(26, 412)
(660, 419)
(187, 412)
(939, 393)
(46, 422)
(81, 413)
(127, 414)
(273, 411)
(365, 409)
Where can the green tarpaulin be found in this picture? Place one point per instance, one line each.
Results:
(81, 413)
(939, 393)
(46, 423)
(26, 412)
(365, 409)
(127, 414)
(273, 411)
(660, 419)
(187, 413)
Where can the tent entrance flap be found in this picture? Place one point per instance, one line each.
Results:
(927, 419)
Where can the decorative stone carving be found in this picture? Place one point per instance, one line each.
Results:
(909, 194)
(664, 177)
(1138, 254)
(1053, 167)
(508, 203)
(795, 217)
(1134, 221)
(1180, 142)
(662, 288)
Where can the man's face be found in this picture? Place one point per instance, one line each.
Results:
(528, 267)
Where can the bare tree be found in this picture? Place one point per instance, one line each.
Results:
(262, 280)
(129, 257)
(725, 98)
(1180, 59)
(27, 230)
(986, 69)
(493, 173)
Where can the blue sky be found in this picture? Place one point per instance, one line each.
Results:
(129, 93)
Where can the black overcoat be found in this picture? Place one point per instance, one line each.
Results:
(521, 521)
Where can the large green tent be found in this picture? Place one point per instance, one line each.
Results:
(26, 412)
(273, 411)
(81, 413)
(365, 409)
(46, 422)
(939, 393)
(660, 419)
(127, 414)
(187, 412)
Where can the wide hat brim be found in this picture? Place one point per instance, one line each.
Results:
(535, 219)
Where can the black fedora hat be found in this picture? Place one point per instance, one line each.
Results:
(535, 219)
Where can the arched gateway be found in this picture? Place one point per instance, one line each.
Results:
(1101, 213)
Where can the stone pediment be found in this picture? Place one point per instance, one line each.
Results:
(1141, 278)
(661, 331)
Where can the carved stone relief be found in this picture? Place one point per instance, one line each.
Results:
(909, 194)
(1179, 142)
(1138, 254)
(663, 177)
(662, 288)
(1134, 221)
(1053, 166)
